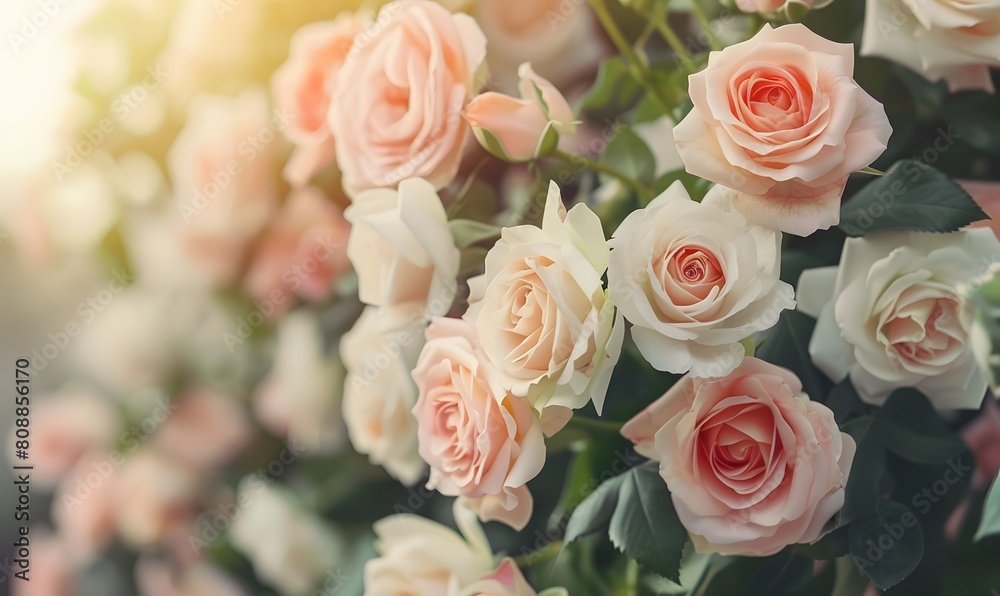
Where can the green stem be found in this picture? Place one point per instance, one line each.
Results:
(591, 425)
(631, 587)
(638, 66)
(573, 159)
(676, 45)
(706, 25)
(538, 557)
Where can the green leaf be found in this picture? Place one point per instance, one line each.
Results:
(914, 196)
(845, 402)
(788, 346)
(990, 522)
(628, 154)
(476, 200)
(887, 546)
(595, 511)
(733, 578)
(614, 90)
(645, 526)
(467, 232)
(910, 427)
(975, 118)
(864, 485)
(696, 187)
(783, 573)
(831, 546)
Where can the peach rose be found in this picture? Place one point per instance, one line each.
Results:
(303, 252)
(407, 79)
(894, 314)
(154, 497)
(52, 569)
(206, 429)
(695, 279)
(953, 40)
(420, 557)
(300, 397)
(220, 169)
(482, 443)
(401, 247)
(791, 7)
(559, 37)
(379, 353)
(542, 314)
(780, 119)
(751, 463)
(521, 129)
(59, 440)
(507, 580)
(303, 86)
(83, 508)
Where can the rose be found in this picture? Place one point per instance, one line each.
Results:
(303, 252)
(401, 247)
(751, 463)
(83, 507)
(947, 39)
(158, 577)
(780, 119)
(223, 187)
(303, 86)
(407, 80)
(694, 280)
(791, 8)
(154, 498)
(482, 443)
(379, 393)
(206, 429)
(558, 37)
(419, 557)
(507, 580)
(982, 435)
(521, 129)
(542, 315)
(894, 315)
(300, 398)
(289, 547)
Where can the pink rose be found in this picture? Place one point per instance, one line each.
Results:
(507, 580)
(83, 509)
(779, 119)
(521, 129)
(206, 429)
(304, 84)
(156, 577)
(752, 464)
(304, 251)
(982, 435)
(52, 574)
(481, 442)
(398, 113)
(154, 498)
(223, 185)
(793, 7)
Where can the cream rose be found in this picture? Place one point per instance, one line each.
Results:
(944, 39)
(300, 399)
(482, 443)
(507, 580)
(379, 352)
(780, 119)
(401, 247)
(559, 37)
(542, 315)
(751, 463)
(407, 79)
(303, 86)
(303, 252)
(419, 557)
(290, 547)
(695, 279)
(894, 315)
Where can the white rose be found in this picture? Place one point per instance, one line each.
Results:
(290, 548)
(379, 393)
(420, 557)
(695, 279)
(945, 39)
(894, 315)
(542, 315)
(401, 247)
(300, 397)
(508, 580)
